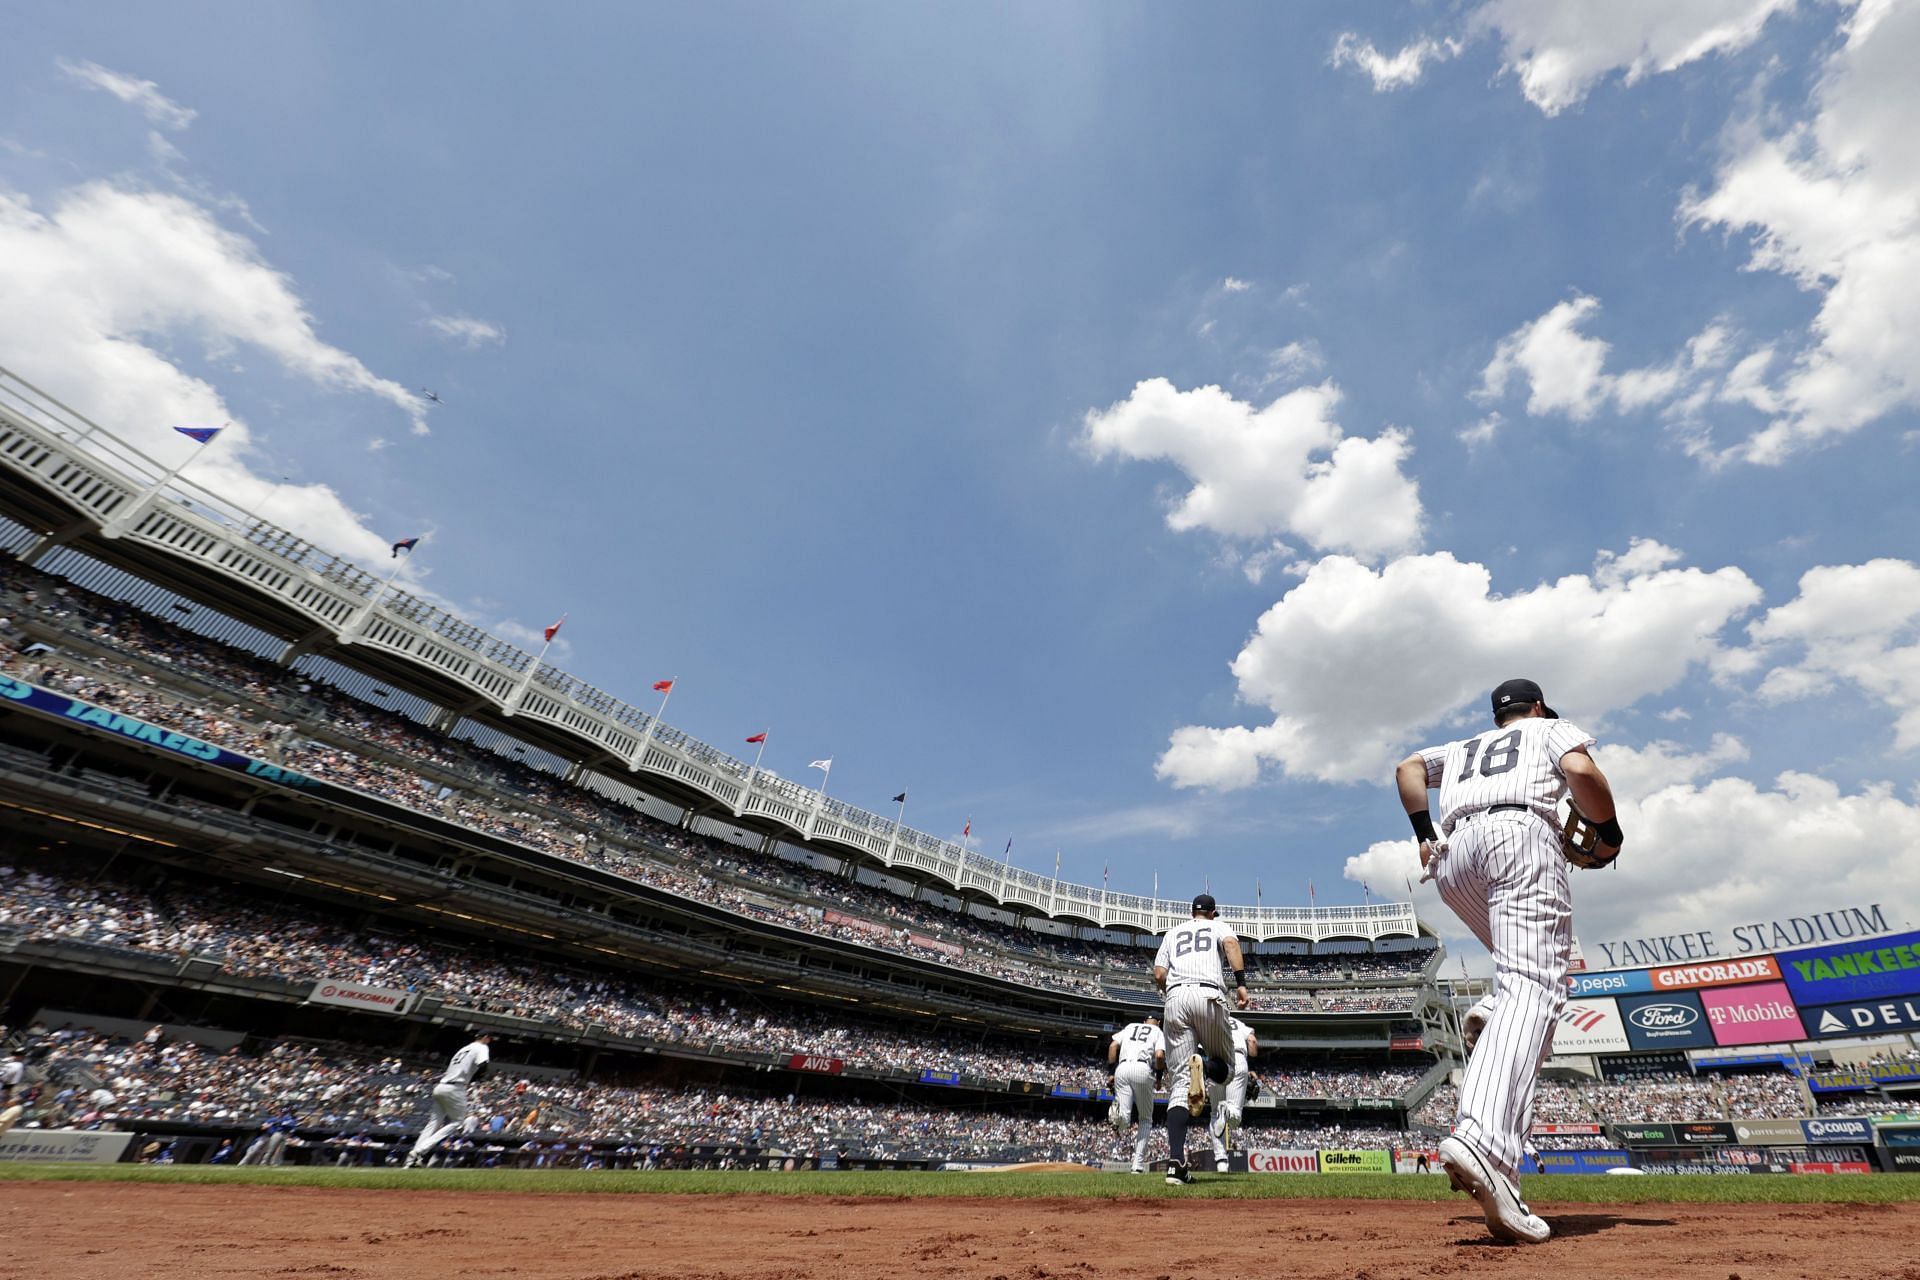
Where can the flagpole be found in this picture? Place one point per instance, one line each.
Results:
(819, 797)
(746, 792)
(362, 618)
(640, 752)
(1053, 894)
(893, 837)
(526, 681)
(138, 507)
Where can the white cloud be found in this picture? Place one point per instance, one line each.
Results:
(1257, 473)
(1559, 52)
(466, 330)
(1565, 369)
(1391, 71)
(101, 286)
(1833, 202)
(1481, 432)
(143, 94)
(1358, 665)
(1233, 284)
(1293, 362)
(1858, 624)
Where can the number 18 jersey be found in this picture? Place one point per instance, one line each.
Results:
(1519, 764)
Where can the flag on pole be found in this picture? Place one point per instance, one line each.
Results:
(405, 544)
(758, 737)
(1106, 869)
(200, 435)
(821, 764)
(662, 686)
(901, 798)
(1008, 851)
(554, 630)
(1310, 895)
(967, 830)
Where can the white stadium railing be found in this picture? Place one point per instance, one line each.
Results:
(119, 492)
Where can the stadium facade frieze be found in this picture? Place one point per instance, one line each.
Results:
(75, 486)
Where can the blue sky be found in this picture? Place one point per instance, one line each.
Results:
(793, 350)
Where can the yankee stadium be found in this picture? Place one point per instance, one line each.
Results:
(637, 644)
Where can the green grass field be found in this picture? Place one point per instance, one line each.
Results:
(1568, 1189)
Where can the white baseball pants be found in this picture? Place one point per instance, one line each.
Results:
(1228, 1103)
(444, 1119)
(1504, 876)
(1133, 1085)
(1195, 1015)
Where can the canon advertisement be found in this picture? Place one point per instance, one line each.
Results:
(1667, 1021)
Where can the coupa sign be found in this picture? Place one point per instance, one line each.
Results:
(1828, 1132)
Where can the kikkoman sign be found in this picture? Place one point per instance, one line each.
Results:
(1746, 939)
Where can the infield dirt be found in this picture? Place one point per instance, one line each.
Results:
(97, 1231)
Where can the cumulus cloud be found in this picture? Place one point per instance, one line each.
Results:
(100, 288)
(143, 94)
(1359, 665)
(1565, 371)
(1559, 52)
(1285, 469)
(1833, 202)
(1233, 284)
(1853, 624)
(466, 330)
(1391, 71)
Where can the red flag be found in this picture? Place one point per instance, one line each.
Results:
(661, 686)
(758, 737)
(554, 630)
(967, 830)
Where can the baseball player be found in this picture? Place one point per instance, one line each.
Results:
(1136, 1062)
(12, 1099)
(1229, 1101)
(450, 1110)
(1500, 868)
(1188, 968)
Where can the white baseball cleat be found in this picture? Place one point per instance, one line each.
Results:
(1507, 1217)
(1221, 1166)
(1116, 1117)
(1139, 1168)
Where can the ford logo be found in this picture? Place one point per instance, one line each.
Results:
(1663, 1017)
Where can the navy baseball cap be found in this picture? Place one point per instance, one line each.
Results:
(1204, 902)
(1520, 693)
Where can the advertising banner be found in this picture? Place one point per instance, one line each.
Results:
(939, 1077)
(1838, 1130)
(1666, 1021)
(358, 995)
(1590, 1026)
(1356, 1161)
(64, 1146)
(1589, 1130)
(1645, 1135)
(1062, 1091)
(1830, 1166)
(1417, 1160)
(941, 945)
(1620, 983)
(1583, 1161)
(1769, 1133)
(1761, 1014)
(1716, 973)
(854, 922)
(820, 1064)
(1854, 971)
(1905, 1159)
(1704, 1133)
(1865, 1077)
(1283, 1161)
(1862, 1018)
(1405, 1042)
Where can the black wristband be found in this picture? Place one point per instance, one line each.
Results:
(1610, 833)
(1239, 977)
(1423, 825)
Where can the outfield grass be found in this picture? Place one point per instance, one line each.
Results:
(1546, 1190)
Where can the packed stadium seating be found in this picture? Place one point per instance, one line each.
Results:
(1649, 1099)
(330, 735)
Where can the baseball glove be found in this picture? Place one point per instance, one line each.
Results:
(1253, 1086)
(1580, 841)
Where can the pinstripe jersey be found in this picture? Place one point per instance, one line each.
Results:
(1519, 764)
(1139, 1042)
(1195, 951)
(468, 1065)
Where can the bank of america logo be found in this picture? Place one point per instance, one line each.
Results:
(1585, 1017)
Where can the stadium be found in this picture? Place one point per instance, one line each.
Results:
(981, 461)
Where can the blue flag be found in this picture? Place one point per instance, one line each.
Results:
(405, 544)
(199, 435)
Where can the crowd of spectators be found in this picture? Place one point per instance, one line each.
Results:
(345, 1097)
(61, 897)
(1649, 1099)
(294, 720)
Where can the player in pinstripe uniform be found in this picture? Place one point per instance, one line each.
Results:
(1137, 1056)
(1228, 1101)
(450, 1109)
(1190, 968)
(1500, 869)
